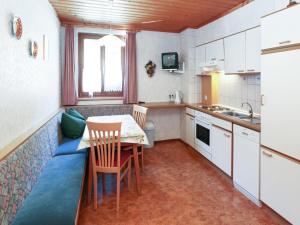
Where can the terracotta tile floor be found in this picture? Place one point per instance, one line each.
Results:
(178, 187)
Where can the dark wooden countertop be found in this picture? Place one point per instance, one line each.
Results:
(237, 121)
(170, 105)
(163, 105)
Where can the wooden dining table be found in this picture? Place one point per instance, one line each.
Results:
(131, 134)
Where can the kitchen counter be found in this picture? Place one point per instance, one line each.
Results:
(234, 120)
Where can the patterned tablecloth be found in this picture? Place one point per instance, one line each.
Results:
(131, 132)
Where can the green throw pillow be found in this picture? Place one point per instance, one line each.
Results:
(75, 113)
(72, 127)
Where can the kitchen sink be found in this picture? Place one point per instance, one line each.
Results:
(236, 114)
(252, 120)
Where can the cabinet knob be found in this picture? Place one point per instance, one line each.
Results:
(267, 154)
(244, 133)
(262, 100)
(226, 135)
(284, 42)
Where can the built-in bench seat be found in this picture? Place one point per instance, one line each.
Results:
(41, 180)
(56, 196)
(68, 146)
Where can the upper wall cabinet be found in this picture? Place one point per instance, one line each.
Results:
(253, 50)
(242, 52)
(215, 51)
(200, 58)
(287, 22)
(235, 53)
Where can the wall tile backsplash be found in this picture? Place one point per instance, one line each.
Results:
(236, 89)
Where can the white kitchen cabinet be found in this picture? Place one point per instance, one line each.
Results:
(235, 53)
(214, 52)
(200, 58)
(281, 28)
(280, 120)
(253, 50)
(190, 128)
(246, 160)
(221, 143)
(280, 185)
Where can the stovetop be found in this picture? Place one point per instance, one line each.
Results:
(214, 108)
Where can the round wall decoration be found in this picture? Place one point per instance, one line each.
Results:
(17, 27)
(34, 48)
(150, 68)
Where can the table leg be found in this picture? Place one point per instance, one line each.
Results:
(90, 180)
(137, 168)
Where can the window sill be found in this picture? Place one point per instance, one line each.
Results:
(100, 98)
(100, 101)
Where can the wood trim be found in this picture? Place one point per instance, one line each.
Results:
(281, 49)
(11, 147)
(81, 191)
(281, 154)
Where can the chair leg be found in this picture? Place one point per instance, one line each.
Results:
(90, 180)
(118, 190)
(95, 190)
(129, 174)
(142, 158)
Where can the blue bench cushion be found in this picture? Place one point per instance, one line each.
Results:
(55, 197)
(68, 146)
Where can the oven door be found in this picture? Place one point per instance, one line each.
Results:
(203, 135)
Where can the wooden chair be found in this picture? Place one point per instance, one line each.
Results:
(140, 115)
(107, 156)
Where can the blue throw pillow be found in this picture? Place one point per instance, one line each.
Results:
(75, 113)
(72, 127)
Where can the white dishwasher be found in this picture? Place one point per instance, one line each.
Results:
(246, 162)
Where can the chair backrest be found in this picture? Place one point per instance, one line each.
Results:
(139, 115)
(104, 141)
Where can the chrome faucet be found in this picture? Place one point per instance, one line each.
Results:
(250, 110)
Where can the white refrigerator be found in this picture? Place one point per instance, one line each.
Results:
(280, 132)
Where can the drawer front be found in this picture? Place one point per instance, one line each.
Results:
(190, 111)
(246, 133)
(222, 123)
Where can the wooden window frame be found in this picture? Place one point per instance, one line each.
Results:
(81, 93)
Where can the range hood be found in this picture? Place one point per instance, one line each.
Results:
(211, 67)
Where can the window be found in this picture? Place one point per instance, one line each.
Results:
(101, 65)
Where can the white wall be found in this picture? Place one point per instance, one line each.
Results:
(190, 84)
(29, 88)
(150, 45)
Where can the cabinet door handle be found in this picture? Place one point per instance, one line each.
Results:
(241, 71)
(226, 135)
(262, 100)
(284, 42)
(244, 133)
(251, 70)
(267, 154)
(213, 59)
